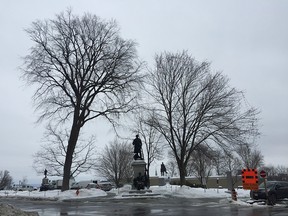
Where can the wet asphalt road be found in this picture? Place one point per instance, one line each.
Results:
(141, 207)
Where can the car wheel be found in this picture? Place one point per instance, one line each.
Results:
(272, 199)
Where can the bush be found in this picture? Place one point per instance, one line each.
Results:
(5, 180)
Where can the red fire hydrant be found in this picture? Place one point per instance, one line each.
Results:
(77, 192)
(234, 194)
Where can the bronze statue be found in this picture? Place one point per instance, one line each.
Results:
(45, 173)
(137, 148)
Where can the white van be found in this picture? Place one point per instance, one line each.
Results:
(23, 187)
(82, 184)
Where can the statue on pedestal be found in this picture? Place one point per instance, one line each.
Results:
(137, 148)
(163, 169)
(45, 182)
(141, 177)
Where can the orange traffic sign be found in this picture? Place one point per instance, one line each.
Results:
(250, 179)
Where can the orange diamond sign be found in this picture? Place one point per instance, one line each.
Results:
(250, 179)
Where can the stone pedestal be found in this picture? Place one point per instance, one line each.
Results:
(139, 178)
(45, 184)
(138, 167)
(45, 181)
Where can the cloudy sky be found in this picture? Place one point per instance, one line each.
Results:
(246, 40)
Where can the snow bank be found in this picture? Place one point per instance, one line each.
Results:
(167, 190)
(56, 194)
(188, 192)
(157, 191)
(184, 191)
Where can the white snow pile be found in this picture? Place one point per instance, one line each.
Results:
(167, 190)
(189, 192)
(186, 192)
(56, 194)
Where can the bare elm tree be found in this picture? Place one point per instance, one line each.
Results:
(83, 70)
(197, 107)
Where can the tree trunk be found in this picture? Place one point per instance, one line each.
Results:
(148, 175)
(182, 173)
(69, 156)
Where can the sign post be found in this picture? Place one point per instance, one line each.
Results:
(263, 175)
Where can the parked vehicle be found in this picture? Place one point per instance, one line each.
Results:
(23, 188)
(57, 184)
(276, 190)
(82, 184)
(92, 185)
(105, 185)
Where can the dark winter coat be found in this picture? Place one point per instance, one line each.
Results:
(137, 145)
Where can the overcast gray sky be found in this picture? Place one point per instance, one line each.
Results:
(246, 40)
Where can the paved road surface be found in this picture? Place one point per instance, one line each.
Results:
(142, 207)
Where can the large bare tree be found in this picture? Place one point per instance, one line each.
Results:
(197, 107)
(114, 163)
(83, 70)
(53, 152)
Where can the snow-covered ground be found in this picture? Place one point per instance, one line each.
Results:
(121, 193)
(167, 190)
(55, 194)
